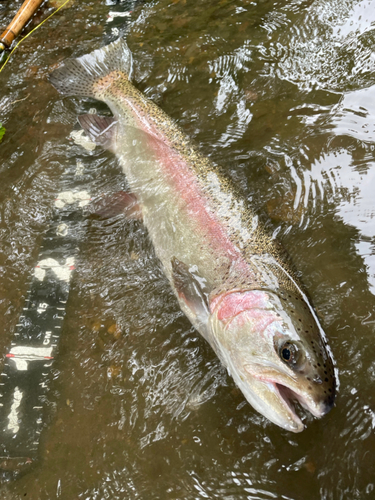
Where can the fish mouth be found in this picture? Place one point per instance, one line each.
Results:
(288, 394)
(282, 393)
(288, 397)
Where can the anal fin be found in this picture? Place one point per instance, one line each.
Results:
(100, 129)
(189, 289)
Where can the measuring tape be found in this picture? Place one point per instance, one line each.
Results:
(25, 375)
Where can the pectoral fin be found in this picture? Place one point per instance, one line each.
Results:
(189, 289)
(100, 129)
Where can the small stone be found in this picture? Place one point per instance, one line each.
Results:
(310, 467)
(114, 371)
(115, 331)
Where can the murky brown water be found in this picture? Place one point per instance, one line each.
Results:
(282, 95)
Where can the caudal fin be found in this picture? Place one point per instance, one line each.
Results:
(79, 76)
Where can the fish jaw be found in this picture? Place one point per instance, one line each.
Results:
(287, 389)
(248, 329)
(266, 396)
(270, 399)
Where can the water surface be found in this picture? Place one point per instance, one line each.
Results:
(282, 95)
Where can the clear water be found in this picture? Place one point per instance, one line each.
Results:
(282, 95)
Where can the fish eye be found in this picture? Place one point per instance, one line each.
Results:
(290, 353)
(286, 353)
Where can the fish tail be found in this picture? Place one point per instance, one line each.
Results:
(90, 74)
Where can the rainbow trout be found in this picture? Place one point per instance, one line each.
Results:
(230, 278)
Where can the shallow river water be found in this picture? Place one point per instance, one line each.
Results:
(282, 95)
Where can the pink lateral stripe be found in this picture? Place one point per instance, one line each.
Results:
(186, 184)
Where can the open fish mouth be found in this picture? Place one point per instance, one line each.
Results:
(288, 397)
(282, 394)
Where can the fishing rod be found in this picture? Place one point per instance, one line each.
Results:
(15, 27)
(23, 16)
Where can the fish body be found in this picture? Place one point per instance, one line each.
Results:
(230, 277)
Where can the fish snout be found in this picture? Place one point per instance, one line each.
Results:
(321, 404)
(327, 404)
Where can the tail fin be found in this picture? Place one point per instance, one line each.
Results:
(78, 76)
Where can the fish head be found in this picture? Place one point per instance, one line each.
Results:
(274, 348)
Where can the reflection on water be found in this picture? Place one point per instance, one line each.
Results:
(326, 45)
(280, 94)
